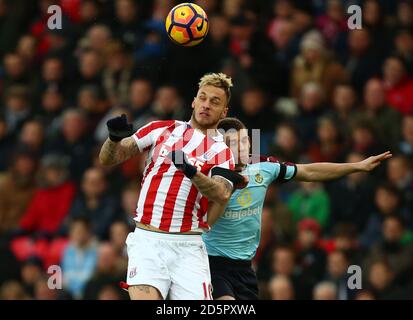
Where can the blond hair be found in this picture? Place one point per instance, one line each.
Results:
(219, 80)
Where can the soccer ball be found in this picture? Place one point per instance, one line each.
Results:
(187, 24)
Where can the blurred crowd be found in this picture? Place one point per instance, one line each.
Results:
(316, 90)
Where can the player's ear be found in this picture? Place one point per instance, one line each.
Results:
(224, 113)
(193, 103)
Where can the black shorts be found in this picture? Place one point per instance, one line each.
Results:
(233, 278)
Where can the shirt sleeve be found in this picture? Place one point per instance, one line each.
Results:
(146, 136)
(228, 164)
(282, 171)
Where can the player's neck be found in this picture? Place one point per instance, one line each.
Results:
(211, 131)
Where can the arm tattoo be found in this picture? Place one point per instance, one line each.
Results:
(228, 188)
(215, 188)
(114, 153)
(144, 288)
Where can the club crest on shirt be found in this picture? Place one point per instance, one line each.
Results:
(132, 272)
(208, 155)
(259, 178)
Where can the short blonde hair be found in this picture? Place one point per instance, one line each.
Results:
(219, 80)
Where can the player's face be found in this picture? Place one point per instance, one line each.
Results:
(239, 143)
(210, 106)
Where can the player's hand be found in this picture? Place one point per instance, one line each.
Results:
(372, 162)
(180, 161)
(119, 128)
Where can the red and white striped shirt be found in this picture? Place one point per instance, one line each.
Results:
(168, 200)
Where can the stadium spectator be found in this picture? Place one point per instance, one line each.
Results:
(388, 201)
(311, 108)
(127, 25)
(42, 291)
(32, 136)
(5, 144)
(328, 147)
(109, 292)
(406, 144)
(345, 240)
(117, 73)
(373, 20)
(31, 271)
(79, 257)
(140, 98)
(287, 143)
(314, 65)
(364, 295)
(396, 247)
(89, 71)
(360, 60)
(52, 199)
(94, 203)
(251, 50)
(52, 74)
(106, 273)
(325, 290)
(337, 266)
(90, 13)
(398, 84)
(351, 198)
(118, 233)
(17, 189)
(281, 288)
(344, 103)
(219, 40)
(333, 24)
(381, 281)
(73, 142)
(15, 73)
(91, 102)
(26, 49)
(13, 290)
(364, 138)
(385, 118)
(405, 14)
(403, 43)
(311, 258)
(97, 37)
(52, 104)
(17, 108)
(400, 174)
(168, 104)
(310, 201)
(284, 264)
(254, 110)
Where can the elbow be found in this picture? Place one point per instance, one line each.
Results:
(104, 160)
(223, 197)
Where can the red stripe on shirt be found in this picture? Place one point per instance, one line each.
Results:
(189, 207)
(152, 192)
(203, 208)
(175, 186)
(153, 126)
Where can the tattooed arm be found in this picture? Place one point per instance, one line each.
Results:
(216, 189)
(215, 211)
(113, 153)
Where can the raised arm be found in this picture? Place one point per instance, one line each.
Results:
(119, 147)
(113, 153)
(218, 188)
(322, 171)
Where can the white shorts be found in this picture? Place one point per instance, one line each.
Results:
(175, 264)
